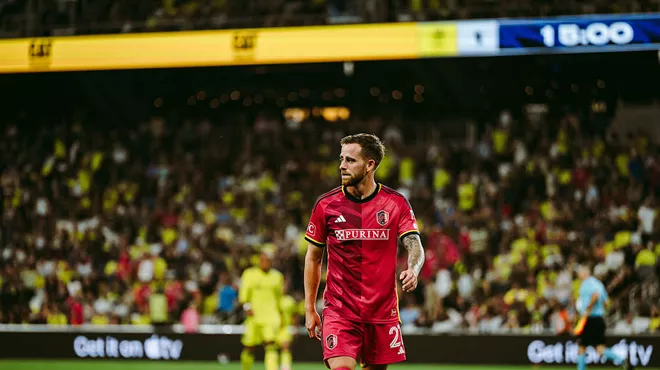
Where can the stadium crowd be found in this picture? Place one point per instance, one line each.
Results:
(148, 221)
(57, 18)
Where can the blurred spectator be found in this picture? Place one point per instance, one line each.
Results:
(55, 317)
(654, 325)
(190, 318)
(227, 297)
(625, 327)
(560, 320)
(158, 308)
(75, 303)
(410, 312)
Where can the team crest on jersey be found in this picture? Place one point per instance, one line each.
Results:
(382, 217)
(311, 229)
(331, 341)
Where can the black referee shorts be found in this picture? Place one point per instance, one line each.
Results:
(593, 333)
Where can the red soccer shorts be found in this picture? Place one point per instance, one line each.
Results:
(373, 344)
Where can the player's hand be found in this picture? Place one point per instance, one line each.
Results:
(408, 280)
(313, 324)
(247, 307)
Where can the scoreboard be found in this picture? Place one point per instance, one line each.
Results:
(333, 43)
(586, 34)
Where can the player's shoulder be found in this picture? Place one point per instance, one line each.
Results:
(395, 195)
(328, 196)
(247, 274)
(593, 280)
(276, 274)
(592, 283)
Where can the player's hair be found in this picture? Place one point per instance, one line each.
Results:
(372, 146)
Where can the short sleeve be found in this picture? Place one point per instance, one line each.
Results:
(407, 221)
(604, 296)
(316, 231)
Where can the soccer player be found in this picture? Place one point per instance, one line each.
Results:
(288, 309)
(591, 327)
(260, 293)
(359, 223)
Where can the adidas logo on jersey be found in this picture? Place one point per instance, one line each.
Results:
(340, 219)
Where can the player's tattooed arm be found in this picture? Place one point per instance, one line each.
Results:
(413, 245)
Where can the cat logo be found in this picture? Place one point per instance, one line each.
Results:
(40, 52)
(244, 44)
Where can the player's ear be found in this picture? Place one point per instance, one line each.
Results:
(371, 165)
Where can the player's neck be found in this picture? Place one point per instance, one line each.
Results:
(364, 189)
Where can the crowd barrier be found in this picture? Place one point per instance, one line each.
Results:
(437, 349)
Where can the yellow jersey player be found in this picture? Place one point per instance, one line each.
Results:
(260, 294)
(288, 308)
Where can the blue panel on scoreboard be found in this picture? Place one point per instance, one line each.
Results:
(584, 34)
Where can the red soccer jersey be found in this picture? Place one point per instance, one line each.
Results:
(361, 237)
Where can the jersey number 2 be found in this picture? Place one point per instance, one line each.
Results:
(395, 330)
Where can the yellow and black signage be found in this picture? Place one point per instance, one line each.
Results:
(234, 47)
(40, 53)
(244, 44)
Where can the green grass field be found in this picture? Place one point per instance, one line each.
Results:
(143, 365)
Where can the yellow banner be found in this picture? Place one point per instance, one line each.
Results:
(437, 39)
(212, 48)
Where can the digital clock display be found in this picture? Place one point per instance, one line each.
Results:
(596, 33)
(599, 34)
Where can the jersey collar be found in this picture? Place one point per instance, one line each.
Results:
(350, 196)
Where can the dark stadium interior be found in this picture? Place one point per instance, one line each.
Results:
(52, 18)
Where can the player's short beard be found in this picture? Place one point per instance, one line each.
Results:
(357, 178)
